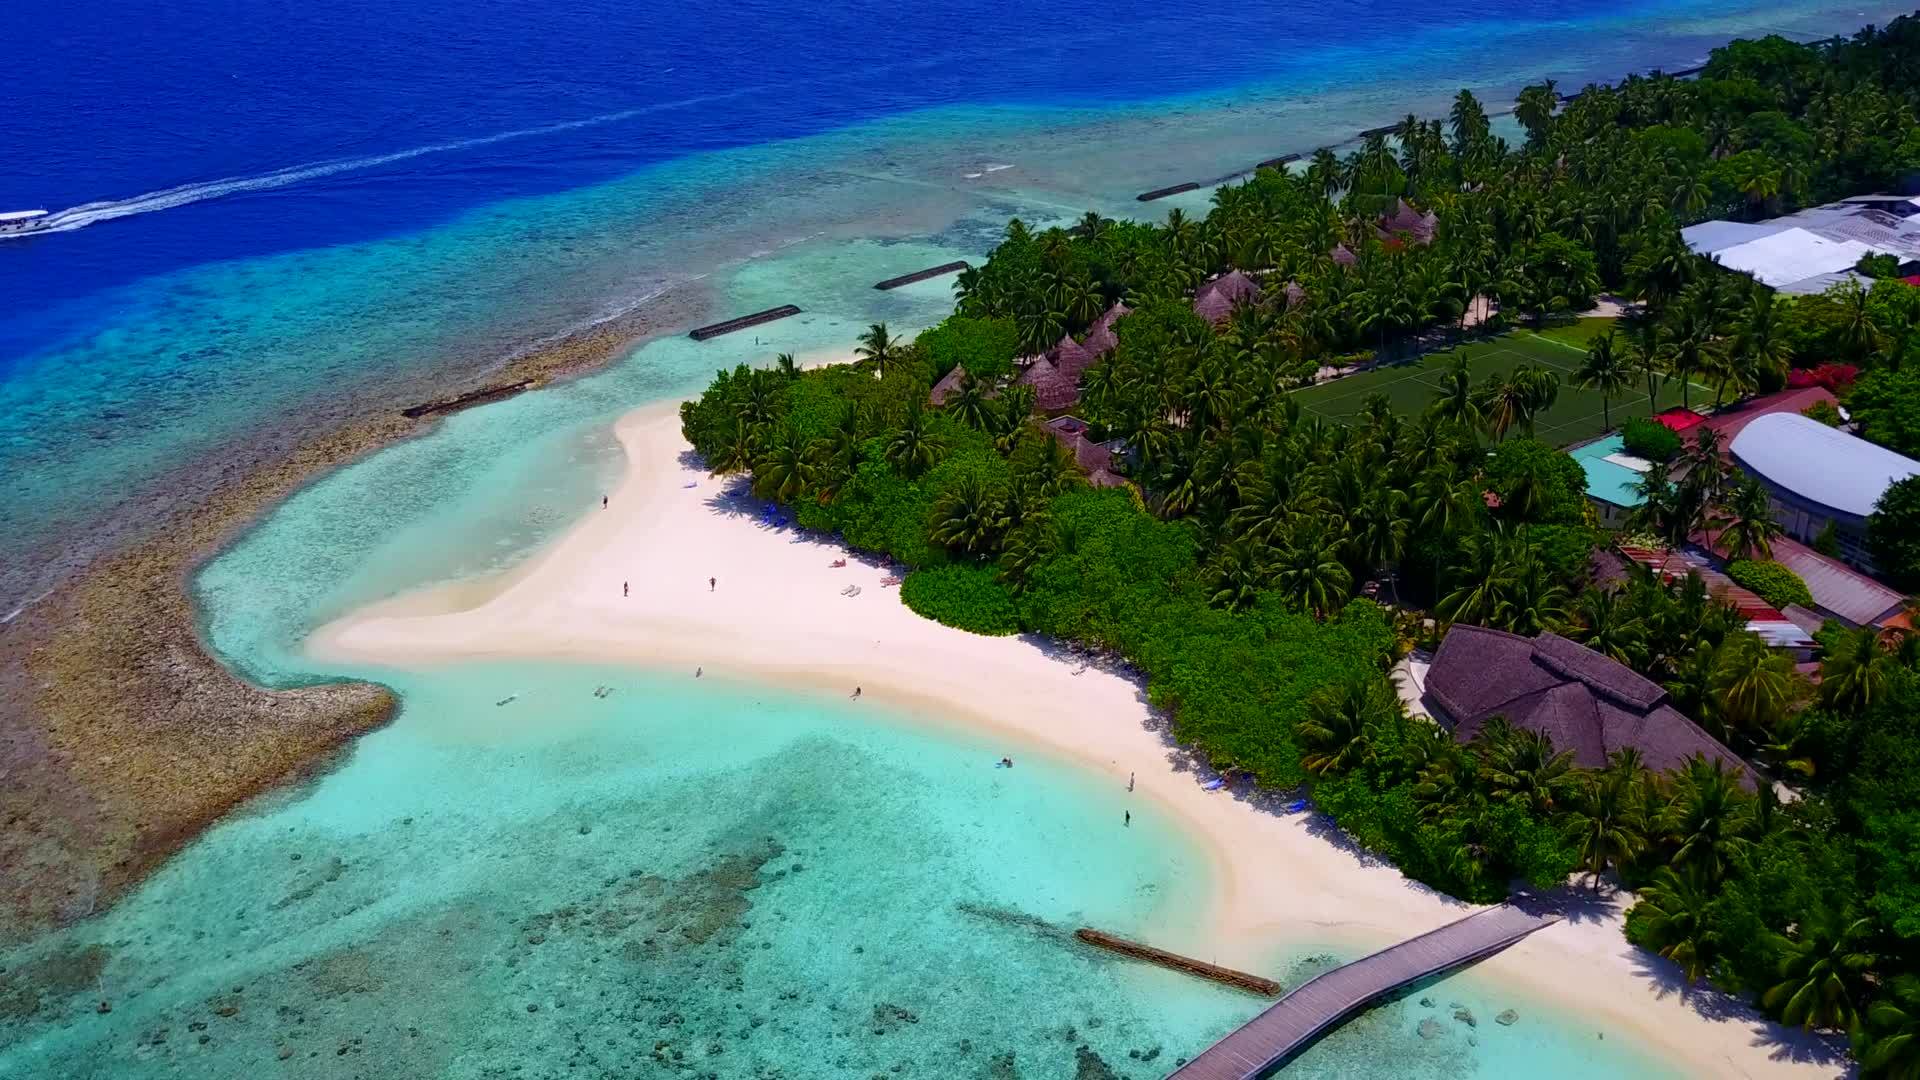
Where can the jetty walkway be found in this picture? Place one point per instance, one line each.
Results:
(1295, 1020)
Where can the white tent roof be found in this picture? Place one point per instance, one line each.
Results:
(1791, 255)
(1820, 464)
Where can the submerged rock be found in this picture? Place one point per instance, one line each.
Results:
(1465, 1016)
(1088, 1065)
(888, 1018)
(1507, 1018)
(1430, 1028)
(1002, 1067)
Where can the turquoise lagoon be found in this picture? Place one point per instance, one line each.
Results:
(685, 877)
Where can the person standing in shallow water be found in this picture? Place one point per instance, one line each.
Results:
(603, 502)
(1128, 820)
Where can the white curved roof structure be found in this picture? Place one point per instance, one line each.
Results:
(1820, 464)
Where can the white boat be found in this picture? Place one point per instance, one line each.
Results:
(23, 222)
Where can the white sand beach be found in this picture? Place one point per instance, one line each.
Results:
(776, 612)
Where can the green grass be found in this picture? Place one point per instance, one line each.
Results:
(1575, 417)
(1578, 332)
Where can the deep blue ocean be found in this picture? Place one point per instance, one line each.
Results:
(286, 204)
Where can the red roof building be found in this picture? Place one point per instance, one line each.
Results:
(1678, 420)
(1730, 420)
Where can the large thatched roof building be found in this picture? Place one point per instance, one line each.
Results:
(1217, 298)
(1583, 701)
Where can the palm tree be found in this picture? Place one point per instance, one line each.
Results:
(1889, 1046)
(1826, 971)
(1456, 400)
(785, 364)
(1534, 109)
(1855, 673)
(1475, 591)
(970, 404)
(878, 349)
(913, 448)
(1343, 721)
(1606, 825)
(1748, 528)
(1709, 819)
(781, 471)
(1673, 917)
(1239, 574)
(1520, 767)
(1608, 626)
(1379, 530)
(1608, 370)
(1308, 571)
(970, 517)
(1528, 600)
(1755, 684)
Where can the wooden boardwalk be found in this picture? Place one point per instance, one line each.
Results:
(1297, 1019)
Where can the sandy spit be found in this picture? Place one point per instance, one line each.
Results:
(631, 584)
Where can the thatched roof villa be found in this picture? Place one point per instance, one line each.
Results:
(1093, 458)
(1216, 299)
(1407, 224)
(1583, 701)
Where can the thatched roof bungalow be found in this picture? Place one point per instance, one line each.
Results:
(1072, 357)
(1053, 389)
(1217, 298)
(1409, 224)
(1583, 701)
(1294, 293)
(948, 385)
(1093, 458)
(1343, 256)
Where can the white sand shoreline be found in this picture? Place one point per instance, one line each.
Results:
(777, 615)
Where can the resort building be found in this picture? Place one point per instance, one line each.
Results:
(1810, 251)
(1095, 459)
(1786, 631)
(1217, 298)
(1820, 477)
(1581, 700)
(1613, 478)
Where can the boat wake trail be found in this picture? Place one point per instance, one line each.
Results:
(79, 217)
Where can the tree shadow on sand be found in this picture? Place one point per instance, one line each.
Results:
(1784, 1044)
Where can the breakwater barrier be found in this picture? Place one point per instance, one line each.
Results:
(714, 330)
(466, 401)
(1133, 950)
(922, 275)
(1161, 193)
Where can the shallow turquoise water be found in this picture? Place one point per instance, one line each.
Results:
(682, 878)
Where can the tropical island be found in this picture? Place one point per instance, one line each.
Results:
(1131, 437)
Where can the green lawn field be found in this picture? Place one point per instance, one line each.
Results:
(1576, 415)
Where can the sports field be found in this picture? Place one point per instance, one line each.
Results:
(1576, 415)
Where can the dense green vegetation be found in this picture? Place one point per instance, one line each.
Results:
(1645, 438)
(1771, 582)
(1238, 569)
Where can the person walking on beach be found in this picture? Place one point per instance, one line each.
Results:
(856, 693)
(623, 588)
(712, 583)
(1129, 781)
(603, 502)
(699, 671)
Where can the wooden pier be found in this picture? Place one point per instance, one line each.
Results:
(1294, 1021)
(1239, 980)
(921, 275)
(468, 400)
(744, 321)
